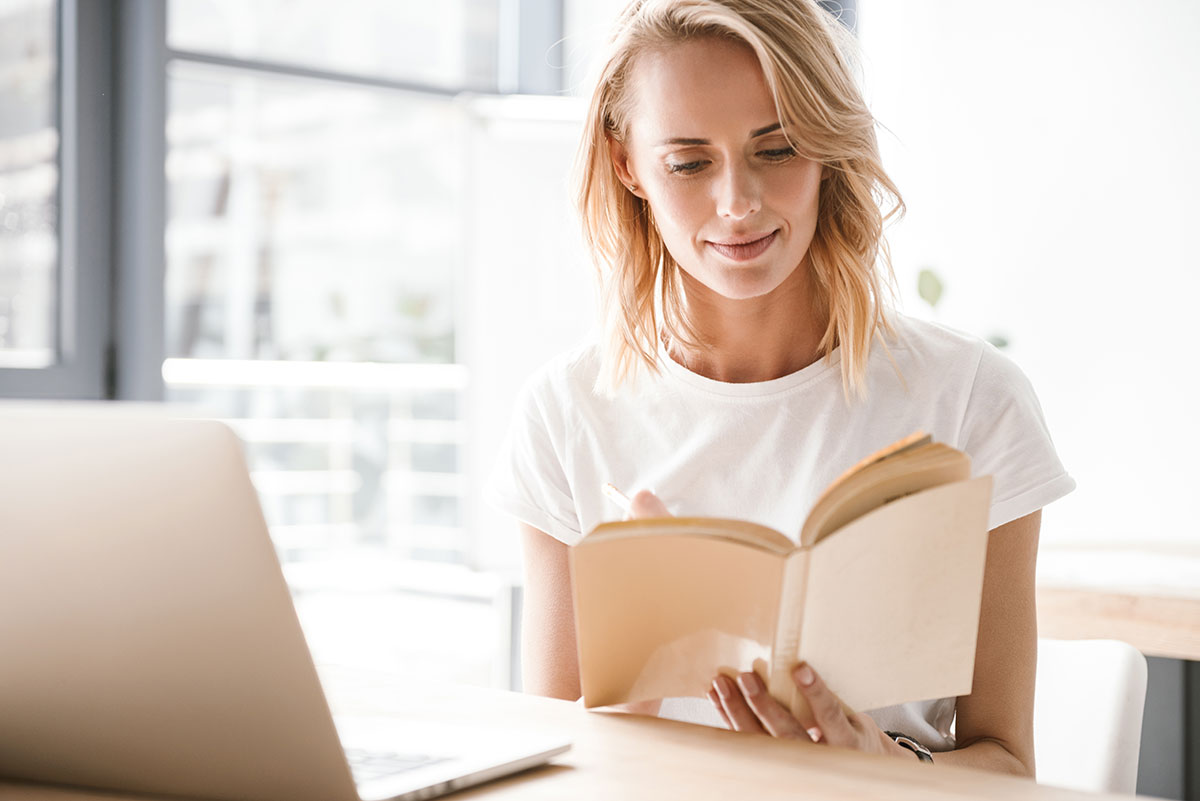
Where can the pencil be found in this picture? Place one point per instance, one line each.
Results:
(618, 497)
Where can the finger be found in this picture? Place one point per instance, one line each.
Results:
(646, 504)
(716, 702)
(827, 708)
(774, 718)
(740, 716)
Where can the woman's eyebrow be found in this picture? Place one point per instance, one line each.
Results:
(767, 130)
(685, 141)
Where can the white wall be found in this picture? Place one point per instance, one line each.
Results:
(587, 26)
(1047, 153)
(529, 294)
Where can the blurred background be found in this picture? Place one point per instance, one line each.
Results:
(346, 230)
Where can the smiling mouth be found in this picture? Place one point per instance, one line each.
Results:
(744, 251)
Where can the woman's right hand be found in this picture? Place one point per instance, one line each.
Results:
(645, 503)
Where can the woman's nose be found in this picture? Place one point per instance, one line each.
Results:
(737, 192)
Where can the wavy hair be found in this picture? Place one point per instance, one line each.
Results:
(807, 59)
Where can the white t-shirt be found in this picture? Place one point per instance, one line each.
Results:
(764, 451)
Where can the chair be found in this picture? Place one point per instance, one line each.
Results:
(1087, 714)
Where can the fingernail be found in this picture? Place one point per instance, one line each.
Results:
(724, 686)
(815, 734)
(750, 683)
(804, 675)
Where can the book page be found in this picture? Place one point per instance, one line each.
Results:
(741, 531)
(915, 469)
(892, 611)
(661, 616)
(913, 440)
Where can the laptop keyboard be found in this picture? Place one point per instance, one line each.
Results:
(370, 765)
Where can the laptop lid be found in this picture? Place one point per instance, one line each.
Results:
(146, 631)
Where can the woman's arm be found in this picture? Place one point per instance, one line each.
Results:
(549, 660)
(994, 727)
(549, 665)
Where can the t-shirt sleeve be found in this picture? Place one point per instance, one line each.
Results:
(1005, 434)
(528, 480)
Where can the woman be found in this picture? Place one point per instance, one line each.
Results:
(729, 187)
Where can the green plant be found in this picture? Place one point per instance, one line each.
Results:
(930, 288)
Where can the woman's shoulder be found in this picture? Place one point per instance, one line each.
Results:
(944, 357)
(945, 361)
(926, 339)
(569, 375)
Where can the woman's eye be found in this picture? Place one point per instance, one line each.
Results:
(778, 153)
(686, 168)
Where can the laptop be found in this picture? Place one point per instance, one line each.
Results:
(148, 641)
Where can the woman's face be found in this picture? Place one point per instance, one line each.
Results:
(735, 204)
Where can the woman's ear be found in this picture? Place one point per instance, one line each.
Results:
(624, 170)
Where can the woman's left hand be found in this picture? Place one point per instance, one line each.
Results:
(745, 705)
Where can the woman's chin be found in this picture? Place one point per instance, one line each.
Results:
(729, 281)
(746, 284)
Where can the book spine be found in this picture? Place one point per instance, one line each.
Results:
(787, 632)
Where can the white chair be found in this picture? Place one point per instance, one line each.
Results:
(1087, 714)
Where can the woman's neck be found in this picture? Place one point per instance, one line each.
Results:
(757, 339)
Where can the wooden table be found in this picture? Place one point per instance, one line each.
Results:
(626, 758)
(1148, 596)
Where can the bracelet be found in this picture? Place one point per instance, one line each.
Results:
(904, 741)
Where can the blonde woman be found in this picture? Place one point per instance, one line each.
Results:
(730, 188)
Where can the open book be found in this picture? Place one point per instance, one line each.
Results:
(881, 595)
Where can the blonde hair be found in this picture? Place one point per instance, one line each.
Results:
(804, 53)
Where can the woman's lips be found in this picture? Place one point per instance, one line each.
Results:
(744, 251)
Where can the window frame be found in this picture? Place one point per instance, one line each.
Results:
(84, 83)
(113, 58)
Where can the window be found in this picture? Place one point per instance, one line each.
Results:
(450, 44)
(311, 254)
(315, 192)
(55, 160)
(28, 184)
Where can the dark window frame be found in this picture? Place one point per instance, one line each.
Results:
(112, 78)
(84, 265)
